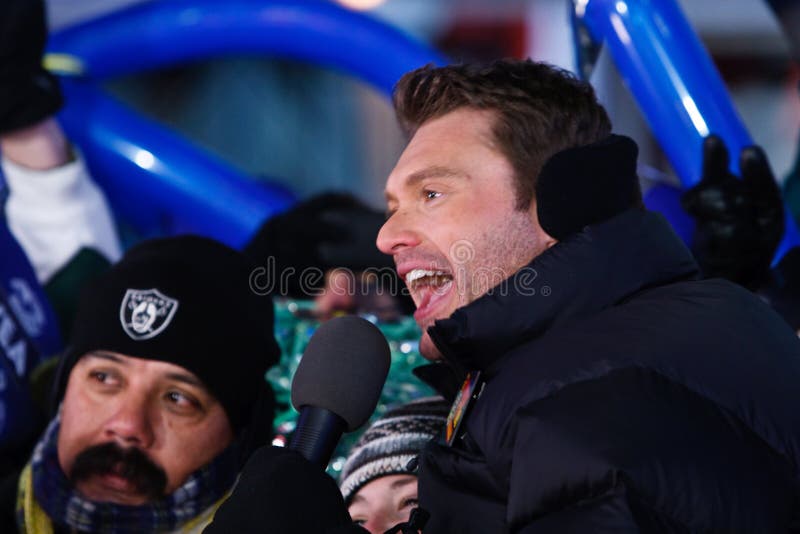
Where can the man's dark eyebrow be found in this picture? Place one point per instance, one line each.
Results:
(436, 171)
(179, 377)
(187, 379)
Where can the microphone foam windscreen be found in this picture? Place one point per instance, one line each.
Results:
(343, 370)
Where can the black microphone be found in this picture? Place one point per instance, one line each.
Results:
(337, 384)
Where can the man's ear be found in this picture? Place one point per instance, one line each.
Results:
(586, 185)
(543, 237)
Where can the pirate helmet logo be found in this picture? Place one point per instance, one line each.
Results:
(145, 313)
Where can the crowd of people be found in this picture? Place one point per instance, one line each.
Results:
(591, 373)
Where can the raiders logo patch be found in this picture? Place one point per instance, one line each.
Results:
(145, 313)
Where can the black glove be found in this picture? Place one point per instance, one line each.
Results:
(739, 223)
(416, 522)
(327, 231)
(28, 93)
(281, 492)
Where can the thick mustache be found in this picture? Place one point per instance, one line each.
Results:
(132, 464)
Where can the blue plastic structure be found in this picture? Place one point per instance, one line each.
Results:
(673, 79)
(160, 182)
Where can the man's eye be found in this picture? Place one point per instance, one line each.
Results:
(181, 400)
(102, 377)
(430, 195)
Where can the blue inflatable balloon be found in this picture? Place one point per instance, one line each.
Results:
(157, 181)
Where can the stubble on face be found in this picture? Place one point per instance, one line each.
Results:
(499, 252)
(484, 262)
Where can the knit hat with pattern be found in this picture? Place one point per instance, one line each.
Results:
(391, 442)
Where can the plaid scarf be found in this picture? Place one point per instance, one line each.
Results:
(65, 506)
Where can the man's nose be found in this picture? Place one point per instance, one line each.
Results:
(131, 424)
(397, 233)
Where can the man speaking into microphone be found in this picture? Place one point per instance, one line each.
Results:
(606, 387)
(602, 385)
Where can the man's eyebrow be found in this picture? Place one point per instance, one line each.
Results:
(178, 377)
(357, 498)
(435, 171)
(187, 379)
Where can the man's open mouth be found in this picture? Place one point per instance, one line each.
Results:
(418, 278)
(429, 288)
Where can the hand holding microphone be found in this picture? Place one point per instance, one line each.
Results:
(336, 388)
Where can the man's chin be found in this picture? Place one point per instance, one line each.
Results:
(427, 347)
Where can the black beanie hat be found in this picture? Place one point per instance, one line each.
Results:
(587, 185)
(186, 301)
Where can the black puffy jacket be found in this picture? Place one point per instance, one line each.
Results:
(622, 394)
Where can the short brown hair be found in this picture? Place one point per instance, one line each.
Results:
(540, 109)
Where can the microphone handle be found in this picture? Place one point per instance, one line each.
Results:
(317, 433)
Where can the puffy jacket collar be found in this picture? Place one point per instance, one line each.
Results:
(592, 270)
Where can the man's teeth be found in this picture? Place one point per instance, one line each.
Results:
(417, 274)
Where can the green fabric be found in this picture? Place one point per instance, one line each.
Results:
(40, 383)
(65, 286)
(294, 325)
